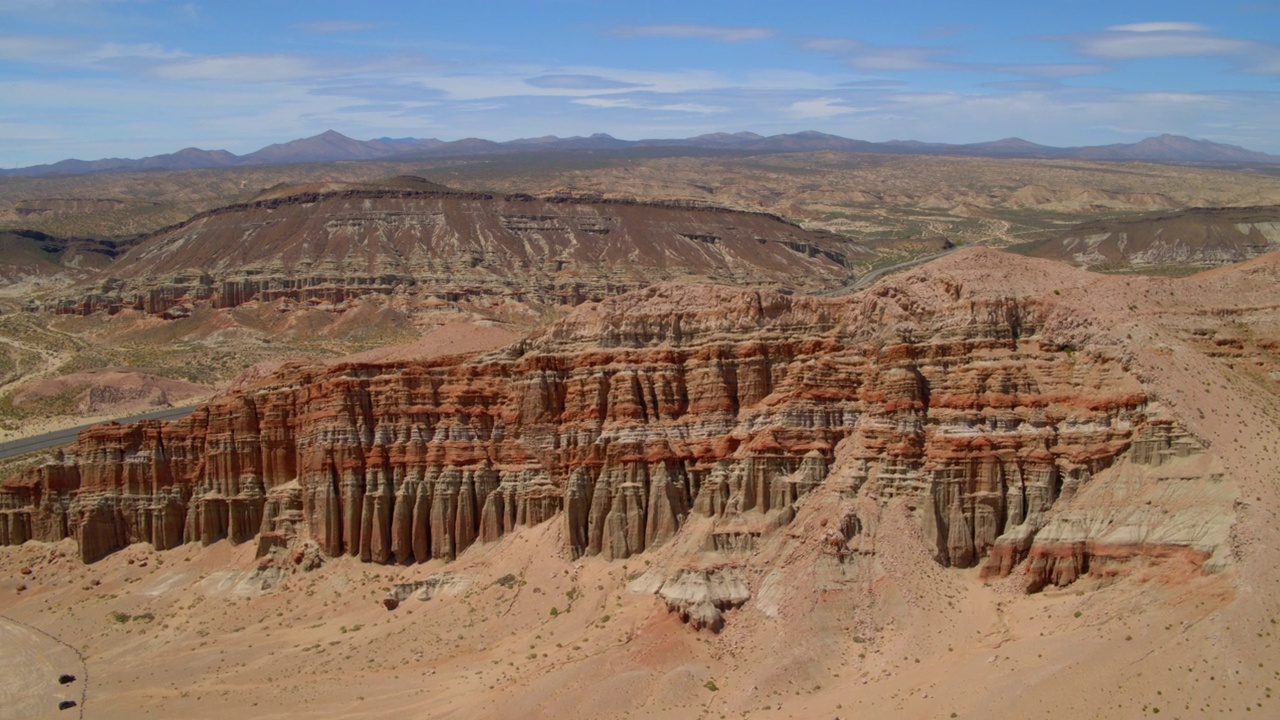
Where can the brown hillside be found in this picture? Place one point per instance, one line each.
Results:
(335, 242)
(1197, 237)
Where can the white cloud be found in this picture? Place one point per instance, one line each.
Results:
(32, 48)
(1052, 71)
(577, 82)
(688, 107)
(146, 51)
(694, 108)
(1133, 45)
(146, 98)
(75, 52)
(823, 107)
(1176, 39)
(238, 68)
(326, 27)
(714, 33)
(506, 82)
(1159, 27)
(867, 56)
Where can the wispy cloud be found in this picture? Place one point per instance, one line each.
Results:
(503, 82)
(579, 82)
(164, 80)
(51, 4)
(1160, 27)
(878, 83)
(328, 27)
(33, 48)
(371, 108)
(1121, 43)
(68, 52)
(823, 107)
(238, 68)
(374, 92)
(145, 51)
(868, 56)
(714, 33)
(1052, 71)
(286, 67)
(863, 55)
(1147, 40)
(632, 104)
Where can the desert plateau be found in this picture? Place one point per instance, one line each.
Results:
(636, 366)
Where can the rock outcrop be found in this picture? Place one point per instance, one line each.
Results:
(701, 597)
(1165, 499)
(991, 414)
(433, 585)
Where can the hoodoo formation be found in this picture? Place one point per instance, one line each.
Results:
(996, 397)
(334, 242)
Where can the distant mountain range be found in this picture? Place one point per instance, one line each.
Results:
(332, 146)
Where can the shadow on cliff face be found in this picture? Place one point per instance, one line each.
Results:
(997, 419)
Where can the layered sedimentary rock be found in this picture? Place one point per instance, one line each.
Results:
(701, 597)
(629, 416)
(334, 243)
(1165, 498)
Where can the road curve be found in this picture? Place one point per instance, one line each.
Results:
(22, 446)
(866, 280)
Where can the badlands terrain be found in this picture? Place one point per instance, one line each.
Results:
(65, 239)
(514, 443)
(987, 473)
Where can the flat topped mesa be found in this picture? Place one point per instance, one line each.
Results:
(334, 242)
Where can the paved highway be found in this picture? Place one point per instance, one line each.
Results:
(866, 280)
(57, 438)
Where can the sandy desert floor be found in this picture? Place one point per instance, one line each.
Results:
(193, 633)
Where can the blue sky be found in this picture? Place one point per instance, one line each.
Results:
(128, 78)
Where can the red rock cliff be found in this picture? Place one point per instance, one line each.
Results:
(625, 418)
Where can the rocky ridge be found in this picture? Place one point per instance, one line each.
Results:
(1011, 427)
(334, 242)
(33, 258)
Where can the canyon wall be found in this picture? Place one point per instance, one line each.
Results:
(985, 412)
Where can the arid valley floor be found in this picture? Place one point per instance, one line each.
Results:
(622, 438)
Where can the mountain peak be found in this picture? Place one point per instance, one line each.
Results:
(331, 146)
(1175, 148)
